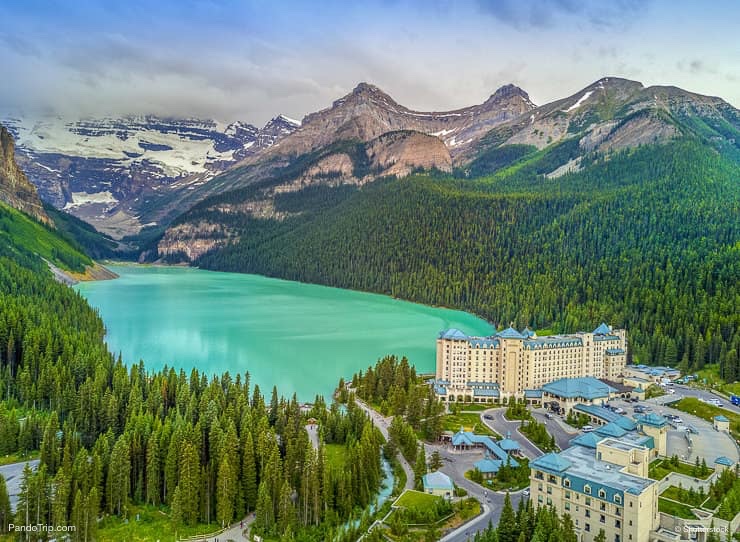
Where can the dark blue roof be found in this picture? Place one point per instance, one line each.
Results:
(532, 394)
(603, 329)
(722, 460)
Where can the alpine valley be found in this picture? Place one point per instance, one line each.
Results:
(618, 203)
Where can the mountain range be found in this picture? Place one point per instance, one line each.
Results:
(618, 203)
(106, 171)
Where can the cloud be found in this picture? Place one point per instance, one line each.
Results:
(523, 15)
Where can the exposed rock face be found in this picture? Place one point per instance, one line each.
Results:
(15, 189)
(192, 240)
(400, 154)
(367, 113)
(120, 174)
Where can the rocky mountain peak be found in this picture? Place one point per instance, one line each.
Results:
(15, 188)
(508, 91)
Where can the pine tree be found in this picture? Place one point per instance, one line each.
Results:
(225, 492)
(264, 518)
(435, 461)
(119, 472)
(189, 484)
(420, 468)
(286, 513)
(5, 513)
(153, 471)
(507, 528)
(249, 473)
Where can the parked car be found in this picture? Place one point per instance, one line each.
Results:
(549, 416)
(638, 409)
(525, 493)
(677, 420)
(587, 428)
(487, 416)
(619, 410)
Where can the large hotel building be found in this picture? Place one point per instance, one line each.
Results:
(478, 369)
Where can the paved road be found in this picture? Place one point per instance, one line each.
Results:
(13, 475)
(382, 424)
(502, 426)
(562, 432)
(707, 444)
(455, 464)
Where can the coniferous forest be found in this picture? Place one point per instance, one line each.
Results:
(209, 450)
(647, 239)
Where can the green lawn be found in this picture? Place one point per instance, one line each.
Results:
(153, 524)
(416, 499)
(468, 421)
(675, 509)
(660, 468)
(474, 407)
(706, 411)
(17, 458)
(335, 455)
(674, 493)
(496, 485)
(709, 377)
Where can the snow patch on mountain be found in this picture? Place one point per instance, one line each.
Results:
(579, 102)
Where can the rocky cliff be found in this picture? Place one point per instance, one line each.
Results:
(15, 189)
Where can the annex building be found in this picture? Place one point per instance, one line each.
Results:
(604, 486)
(510, 362)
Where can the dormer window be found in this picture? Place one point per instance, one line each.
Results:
(566, 482)
(602, 494)
(617, 499)
(587, 489)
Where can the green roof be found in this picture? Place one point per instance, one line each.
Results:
(652, 419)
(586, 387)
(551, 462)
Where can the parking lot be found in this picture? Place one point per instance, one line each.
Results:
(706, 442)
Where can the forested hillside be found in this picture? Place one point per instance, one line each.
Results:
(647, 238)
(199, 450)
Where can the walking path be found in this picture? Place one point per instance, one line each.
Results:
(239, 532)
(382, 424)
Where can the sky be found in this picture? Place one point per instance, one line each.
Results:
(252, 60)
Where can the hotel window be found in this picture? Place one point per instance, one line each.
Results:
(549, 501)
(602, 519)
(567, 506)
(539, 486)
(587, 490)
(617, 499)
(588, 527)
(602, 493)
(588, 513)
(566, 482)
(617, 524)
(602, 506)
(539, 499)
(619, 511)
(567, 494)
(549, 490)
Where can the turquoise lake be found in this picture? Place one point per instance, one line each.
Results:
(300, 337)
